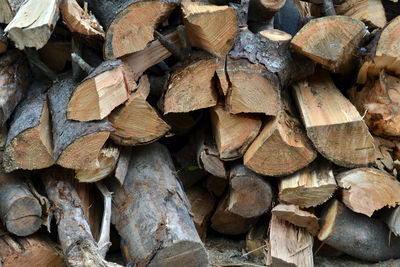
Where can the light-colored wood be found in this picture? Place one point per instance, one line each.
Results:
(136, 121)
(332, 41)
(222, 76)
(8, 9)
(33, 23)
(191, 87)
(371, 12)
(366, 190)
(333, 124)
(123, 163)
(209, 27)
(309, 187)
(385, 154)
(289, 245)
(298, 217)
(233, 133)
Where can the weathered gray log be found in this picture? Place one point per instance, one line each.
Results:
(161, 232)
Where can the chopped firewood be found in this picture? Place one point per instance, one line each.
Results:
(261, 12)
(35, 250)
(282, 147)
(76, 144)
(309, 187)
(357, 235)
(233, 133)
(107, 159)
(250, 195)
(368, 70)
(336, 50)
(216, 185)
(209, 27)
(370, 12)
(136, 121)
(250, 91)
(8, 9)
(333, 124)
(123, 163)
(223, 80)
(202, 205)
(33, 23)
(256, 238)
(384, 152)
(365, 190)
(129, 25)
(298, 217)
(79, 20)
(289, 245)
(161, 233)
(191, 86)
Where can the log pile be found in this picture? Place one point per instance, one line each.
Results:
(151, 125)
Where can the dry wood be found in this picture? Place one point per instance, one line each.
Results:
(33, 23)
(216, 185)
(129, 25)
(211, 28)
(298, 217)
(309, 187)
(384, 154)
(365, 190)
(392, 218)
(161, 233)
(370, 12)
(250, 195)
(136, 121)
(123, 163)
(8, 9)
(333, 124)
(233, 133)
(261, 12)
(256, 238)
(76, 144)
(289, 245)
(223, 80)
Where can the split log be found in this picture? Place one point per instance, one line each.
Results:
(233, 133)
(336, 50)
(365, 190)
(123, 163)
(282, 147)
(117, 18)
(256, 238)
(202, 205)
(333, 124)
(298, 217)
(216, 185)
(8, 9)
(162, 232)
(250, 91)
(289, 245)
(76, 144)
(356, 234)
(262, 12)
(136, 121)
(191, 86)
(211, 28)
(371, 12)
(250, 195)
(33, 23)
(35, 250)
(309, 187)
(223, 80)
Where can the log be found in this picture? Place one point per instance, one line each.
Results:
(336, 50)
(191, 86)
(116, 16)
(211, 28)
(282, 147)
(294, 215)
(256, 239)
(384, 154)
(365, 190)
(250, 195)
(333, 124)
(136, 121)
(8, 9)
(76, 144)
(289, 245)
(309, 187)
(356, 234)
(33, 23)
(223, 80)
(122, 164)
(262, 12)
(216, 185)
(162, 232)
(233, 133)
(371, 12)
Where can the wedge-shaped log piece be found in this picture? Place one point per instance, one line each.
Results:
(371, 12)
(250, 90)
(289, 245)
(8, 9)
(209, 27)
(191, 86)
(33, 23)
(233, 133)
(365, 190)
(129, 25)
(333, 124)
(332, 41)
(76, 144)
(309, 187)
(161, 233)
(136, 121)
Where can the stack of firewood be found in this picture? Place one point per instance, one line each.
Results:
(276, 120)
